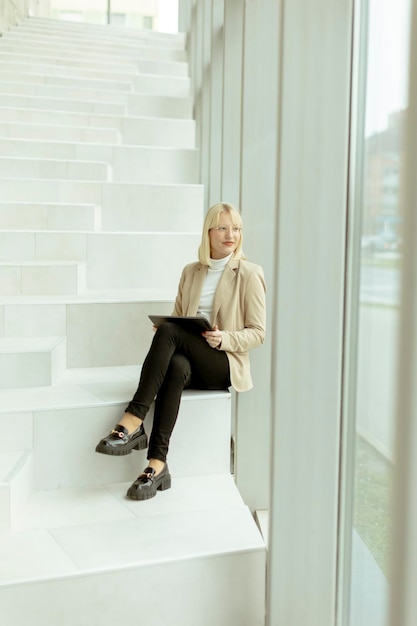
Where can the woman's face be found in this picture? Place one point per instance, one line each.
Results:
(224, 238)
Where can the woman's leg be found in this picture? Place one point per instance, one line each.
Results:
(176, 359)
(167, 405)
(194, 364)
(199, 367)
(210, 367)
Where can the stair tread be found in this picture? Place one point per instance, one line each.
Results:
(133, 36)
(28, 344)
(85, 387)
(89, 41)
(39, 125)
(40, 263)
(79, 530)
(56, 24)
(36, 159)
(64, 205)
(107, 116)
(133, 149)
(94, 297)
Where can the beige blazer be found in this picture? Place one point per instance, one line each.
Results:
(238, 311)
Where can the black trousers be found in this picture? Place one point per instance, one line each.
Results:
(177, 359)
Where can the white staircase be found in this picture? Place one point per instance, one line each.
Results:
(100, 208)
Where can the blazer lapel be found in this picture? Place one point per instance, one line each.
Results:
(196, 287)
(224, 286)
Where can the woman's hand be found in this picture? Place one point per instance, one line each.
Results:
(213, 337)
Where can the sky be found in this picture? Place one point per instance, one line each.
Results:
(388, 49)
(168, 16)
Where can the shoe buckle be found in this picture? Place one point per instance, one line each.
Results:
(119, 433)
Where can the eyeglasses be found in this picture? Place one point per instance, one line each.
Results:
(222, 230)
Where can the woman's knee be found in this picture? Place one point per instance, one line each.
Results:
(180, 369)
(167, 328)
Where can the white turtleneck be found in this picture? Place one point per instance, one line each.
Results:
(210, 285)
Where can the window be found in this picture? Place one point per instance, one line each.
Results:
(148, 21)
(374, 335)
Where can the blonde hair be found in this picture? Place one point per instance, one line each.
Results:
(211, 221)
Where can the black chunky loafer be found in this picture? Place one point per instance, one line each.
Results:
(119, 442)
(147, 484)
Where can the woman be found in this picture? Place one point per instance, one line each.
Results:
(230, 291)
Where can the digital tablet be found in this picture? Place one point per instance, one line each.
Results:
(196, 322)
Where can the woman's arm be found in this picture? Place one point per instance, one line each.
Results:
(178, 310)
(254, 315)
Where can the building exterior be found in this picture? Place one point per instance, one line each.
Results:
(142, 14)
(384, 155)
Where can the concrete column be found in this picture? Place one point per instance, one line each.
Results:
(404, 574)
(234, 11)
(205, 102)
(257, 151)
(197, 70)
(308, 305)
(216, 101)
(184, 15)
(192, 43)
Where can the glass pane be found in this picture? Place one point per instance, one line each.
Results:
(161, 15)
(381, 153)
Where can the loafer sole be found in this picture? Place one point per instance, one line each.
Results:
(147, 494)
(140, 443)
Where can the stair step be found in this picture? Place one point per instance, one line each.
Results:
(147, 83)
(16, 485)
(65, 81)
(160, 106)
(68, 49)
(156, 84)
(90, 401)
(125, 206)
(73, 30)
(113, 260)
(30, 88)
(197, 542)
(61, 104)
(162, 85)
(104, 75)
(18, 168)
(152, 84)
(85, 319)
(164, 132)
(44, 132)
(139, 105)
(74, 506)
(143, 66)
(89, 41)
(31, 362)
(134, 129)
(73, 61)
(41, 278)
(135, 164)
(147, 131)
(45, 25)
(42, 216)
